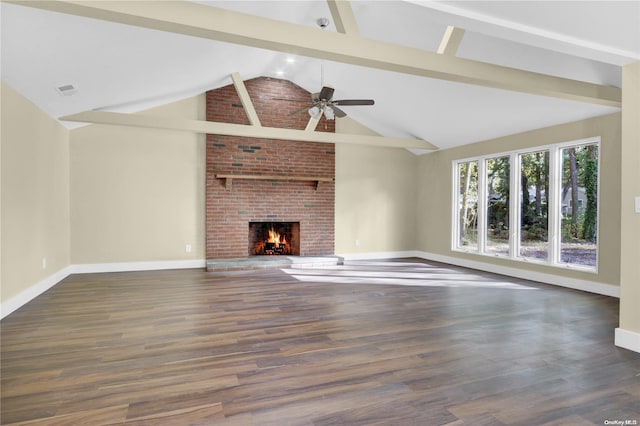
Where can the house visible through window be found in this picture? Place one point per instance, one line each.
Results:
(579, 186)
(539, 205)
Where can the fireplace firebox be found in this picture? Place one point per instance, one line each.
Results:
(274, 238)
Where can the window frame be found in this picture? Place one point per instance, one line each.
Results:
(553, 209)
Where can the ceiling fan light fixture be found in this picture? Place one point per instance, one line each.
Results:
(329, 113)
(315, 112)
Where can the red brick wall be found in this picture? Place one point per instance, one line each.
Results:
(229, 210)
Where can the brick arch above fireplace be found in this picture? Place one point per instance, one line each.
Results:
(230, 207)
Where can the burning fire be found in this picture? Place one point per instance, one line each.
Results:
(276, 243)
(276, 238)
(271, 238)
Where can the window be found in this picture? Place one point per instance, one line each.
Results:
(498, 195)
(467, 205)
(539, 205)
(534, 216)
(579, 195)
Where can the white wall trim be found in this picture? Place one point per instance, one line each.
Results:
(92, 268)
(574, 283)
(627, 339)
(379, 255)
(32, 292)
(37, 289)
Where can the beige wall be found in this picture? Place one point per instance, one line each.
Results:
(630, 188)
(35, 194)
(375, 196)
(435, 194)
(138, 194)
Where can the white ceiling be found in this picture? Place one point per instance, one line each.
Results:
(122, 68)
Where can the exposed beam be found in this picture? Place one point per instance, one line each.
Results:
(312, 124)
(451, 41)
(245, 100)
(343, 17)
(211, 127)
(203, 21)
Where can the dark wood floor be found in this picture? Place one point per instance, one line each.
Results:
(403, 342)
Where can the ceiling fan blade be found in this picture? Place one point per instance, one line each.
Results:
(354, 102)
(326, 93)
(339, 113)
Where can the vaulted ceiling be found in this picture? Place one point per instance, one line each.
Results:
(118, 67)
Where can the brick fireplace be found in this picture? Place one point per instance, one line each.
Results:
(273, 188)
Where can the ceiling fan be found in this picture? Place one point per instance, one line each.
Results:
(323, 103)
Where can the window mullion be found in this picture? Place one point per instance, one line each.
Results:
(482, 205)
(553, 198)
(514, 205)
(455, 228)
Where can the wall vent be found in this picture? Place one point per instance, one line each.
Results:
(67, 90)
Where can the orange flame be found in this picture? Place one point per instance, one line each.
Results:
(276, 238)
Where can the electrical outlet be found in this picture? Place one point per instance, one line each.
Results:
(637, 204)
(44, 263)
(357, 243)
(187, 248)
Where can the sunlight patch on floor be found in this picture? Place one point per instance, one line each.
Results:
(387, 274)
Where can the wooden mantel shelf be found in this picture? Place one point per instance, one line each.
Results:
(229, 178)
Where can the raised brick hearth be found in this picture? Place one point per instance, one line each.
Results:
(231, 204)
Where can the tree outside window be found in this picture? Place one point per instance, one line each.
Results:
(579, 209)
(468, 205)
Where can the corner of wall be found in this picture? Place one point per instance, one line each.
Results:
(35, 184)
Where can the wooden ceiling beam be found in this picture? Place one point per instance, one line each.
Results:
(451, 41)
(217, 128)
(245, 99)
(343, 17)
(203, 21)
(312, 124)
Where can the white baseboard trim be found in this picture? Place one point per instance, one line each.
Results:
(378, 255)
(34, 291)
(627, 339)
(574, 283)
(92, 268)
(37, 289)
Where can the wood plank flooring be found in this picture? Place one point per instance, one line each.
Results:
(401, 342)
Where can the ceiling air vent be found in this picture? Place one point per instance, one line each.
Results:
(67, 90)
